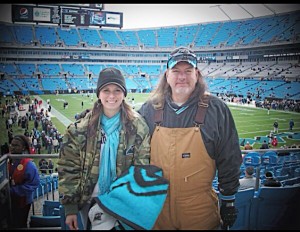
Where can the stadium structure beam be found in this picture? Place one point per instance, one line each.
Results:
(269, 8)
(219, 6)
(245, 10)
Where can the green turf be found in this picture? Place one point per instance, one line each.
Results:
(250, 122)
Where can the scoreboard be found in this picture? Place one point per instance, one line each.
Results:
(74, 17)
(66, 15)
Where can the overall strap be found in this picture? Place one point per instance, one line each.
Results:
(201, 111)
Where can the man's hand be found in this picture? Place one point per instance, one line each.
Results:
(228, 213)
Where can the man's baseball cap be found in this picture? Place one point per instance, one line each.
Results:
(111, 76)
(182, 54)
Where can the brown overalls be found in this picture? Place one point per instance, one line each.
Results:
(191, 202)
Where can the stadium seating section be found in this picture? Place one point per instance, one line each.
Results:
(77, 69)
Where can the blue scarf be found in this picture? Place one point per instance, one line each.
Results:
(108, 173)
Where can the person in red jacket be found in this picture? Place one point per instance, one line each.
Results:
(24, 179)
(274, 141)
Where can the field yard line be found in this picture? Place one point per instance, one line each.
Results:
(64, 120)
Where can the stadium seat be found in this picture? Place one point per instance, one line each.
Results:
(292, 181)
(252, 159)
(276, 208)
(297, 172)
(269, 158)
(51, 208)
(44, 221)
(243, 199)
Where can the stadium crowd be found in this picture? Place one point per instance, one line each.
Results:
(43, 136)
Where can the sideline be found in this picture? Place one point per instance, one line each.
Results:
(63, 119)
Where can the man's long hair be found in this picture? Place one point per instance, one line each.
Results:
(163, 89)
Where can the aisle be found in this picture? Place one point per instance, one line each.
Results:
(37, 206)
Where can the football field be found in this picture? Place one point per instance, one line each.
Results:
(253, 124)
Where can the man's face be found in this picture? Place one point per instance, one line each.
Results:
(182, 78)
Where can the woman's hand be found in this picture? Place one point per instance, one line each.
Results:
(71, 221)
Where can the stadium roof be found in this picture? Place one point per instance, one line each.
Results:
(161, 15)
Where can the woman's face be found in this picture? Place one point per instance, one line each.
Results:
(111, 97)
(16, 146)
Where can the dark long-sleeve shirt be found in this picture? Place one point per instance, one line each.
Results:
(218, 132)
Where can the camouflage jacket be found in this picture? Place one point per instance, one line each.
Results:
(78, 164)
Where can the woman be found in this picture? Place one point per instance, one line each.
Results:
(24, 179)
(98, 147)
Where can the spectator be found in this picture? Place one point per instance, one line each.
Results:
(271, 136)
(55, 144)
(50, 166)
(38, 147)
(264, 145)
(24, 179)
(4, 149)
(32, 150)
(193, 137)
(113, 131)
(248, 146)
(249, 181)
(268, 109)
(275, 125)
(291, 123)
(132, 103)
(41, 162)
(10, 135)
(274, 142)
(26, 133)
(44, 167)
(271, 181)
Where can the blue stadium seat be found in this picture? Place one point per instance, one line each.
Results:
(297, 172)
(277, 208)
(252, 159)
(291, 181)
(44, 221)
(51, 208)
(269, 158)
(243, 199)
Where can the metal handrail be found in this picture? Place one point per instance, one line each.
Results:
(56, 155)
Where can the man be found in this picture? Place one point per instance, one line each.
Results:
(248, 146)
(248, 181)
(271, 181)
(193, 135)
(264, 145)
(291, 124)
(274, 141)
(275, 125)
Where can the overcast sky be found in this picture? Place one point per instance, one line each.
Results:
(160, 15)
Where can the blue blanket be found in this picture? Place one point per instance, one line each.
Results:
(136, 198)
